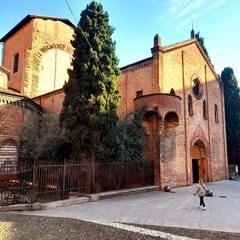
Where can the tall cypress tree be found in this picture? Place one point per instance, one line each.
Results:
(91, 96)
(232, 111)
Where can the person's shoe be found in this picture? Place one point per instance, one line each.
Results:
(204, 208)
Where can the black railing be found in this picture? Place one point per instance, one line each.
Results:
(62, 180)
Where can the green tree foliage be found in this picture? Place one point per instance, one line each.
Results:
(41, 139)
(232, 110)
(91, 96)
(125, 142)
(201, 42)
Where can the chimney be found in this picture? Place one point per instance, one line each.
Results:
(157, 40)
(156, 44)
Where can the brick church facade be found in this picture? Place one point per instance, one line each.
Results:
(183, 95)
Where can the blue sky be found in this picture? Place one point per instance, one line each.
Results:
(137, 21)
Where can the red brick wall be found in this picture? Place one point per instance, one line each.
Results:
(136, 78)
(12, 116)
(178, 67)
(14, 110)
(51, 102)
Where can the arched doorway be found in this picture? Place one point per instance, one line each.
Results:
(199, 161)
(151, 120)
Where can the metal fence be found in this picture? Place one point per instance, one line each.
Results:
(113, 176)
(12, 175)
(57, 181)
(62, 180)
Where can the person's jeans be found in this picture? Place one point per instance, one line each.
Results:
(202, 202)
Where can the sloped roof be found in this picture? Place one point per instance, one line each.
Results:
(178, 44)
(3, 69)
(136, 63)
(10, 92)
(20, 97)
(28, 18)
(175, 46)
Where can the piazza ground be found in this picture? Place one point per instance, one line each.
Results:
(157, 209)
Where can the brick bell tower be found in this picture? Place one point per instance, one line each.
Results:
(39, 64)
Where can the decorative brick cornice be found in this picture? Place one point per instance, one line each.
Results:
(137, 65)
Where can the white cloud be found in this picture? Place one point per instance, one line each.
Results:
(186, 11)
(177, 4)
(190, 14)
(217, 4)
(190, 7)
(188, 21)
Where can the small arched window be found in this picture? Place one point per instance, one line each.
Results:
(171, 121)
(216, 113)
(190, 105)
(172, 92)
(204, 110)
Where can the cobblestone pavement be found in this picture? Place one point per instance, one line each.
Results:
(25, 227)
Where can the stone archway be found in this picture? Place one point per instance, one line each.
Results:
(151, 121)
(34, 66)
(199, 161)
(53, 70)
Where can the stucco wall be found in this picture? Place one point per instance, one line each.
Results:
(18, 43)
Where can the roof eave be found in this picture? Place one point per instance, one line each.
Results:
(28, 19)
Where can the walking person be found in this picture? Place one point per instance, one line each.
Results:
(201, 192)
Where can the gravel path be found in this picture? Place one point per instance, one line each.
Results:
(25, 227)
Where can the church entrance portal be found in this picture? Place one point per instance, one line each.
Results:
(199, 162)
(195, 170)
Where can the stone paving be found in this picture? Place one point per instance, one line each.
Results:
(179, 209)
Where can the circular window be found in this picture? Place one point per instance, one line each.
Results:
(196, 87)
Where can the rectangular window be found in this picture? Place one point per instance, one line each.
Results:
(15, 62)
(139, 93)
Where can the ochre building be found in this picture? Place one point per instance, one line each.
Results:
(182, 94)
